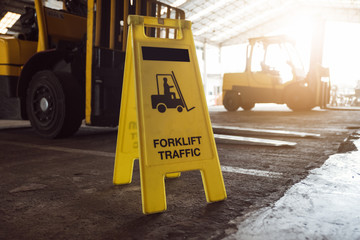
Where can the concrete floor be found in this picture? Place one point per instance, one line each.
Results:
(62, 189)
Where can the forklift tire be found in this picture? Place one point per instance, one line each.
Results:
(299, 100)
(231, 101)
(161, 107)
(54, 104)
(179, 108)
(247, 106)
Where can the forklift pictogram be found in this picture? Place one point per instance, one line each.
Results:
(169, 99)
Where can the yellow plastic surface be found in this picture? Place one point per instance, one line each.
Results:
(171, 141)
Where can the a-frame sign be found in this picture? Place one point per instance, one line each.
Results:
(164, 120)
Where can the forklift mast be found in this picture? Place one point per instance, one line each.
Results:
(318, 76)
(105, 56)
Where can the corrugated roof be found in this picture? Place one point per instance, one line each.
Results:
(228, 22)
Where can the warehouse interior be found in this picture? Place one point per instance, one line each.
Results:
(203, 139)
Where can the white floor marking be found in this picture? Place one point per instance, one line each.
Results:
(266, 131)
(254, 172)
(60, 149)
(229, 139)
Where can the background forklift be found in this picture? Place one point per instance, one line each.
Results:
(275, 74)
(66, 65)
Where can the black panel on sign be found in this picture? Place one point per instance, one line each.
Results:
(165, 54)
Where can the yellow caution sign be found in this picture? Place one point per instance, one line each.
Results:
(164, 119)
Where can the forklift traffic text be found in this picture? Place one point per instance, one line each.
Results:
(175, 142)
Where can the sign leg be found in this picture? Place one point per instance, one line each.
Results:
(123, 169)
(213, 183)
(153, 192)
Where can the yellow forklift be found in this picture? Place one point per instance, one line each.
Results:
(274, 74)
(67, 64)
